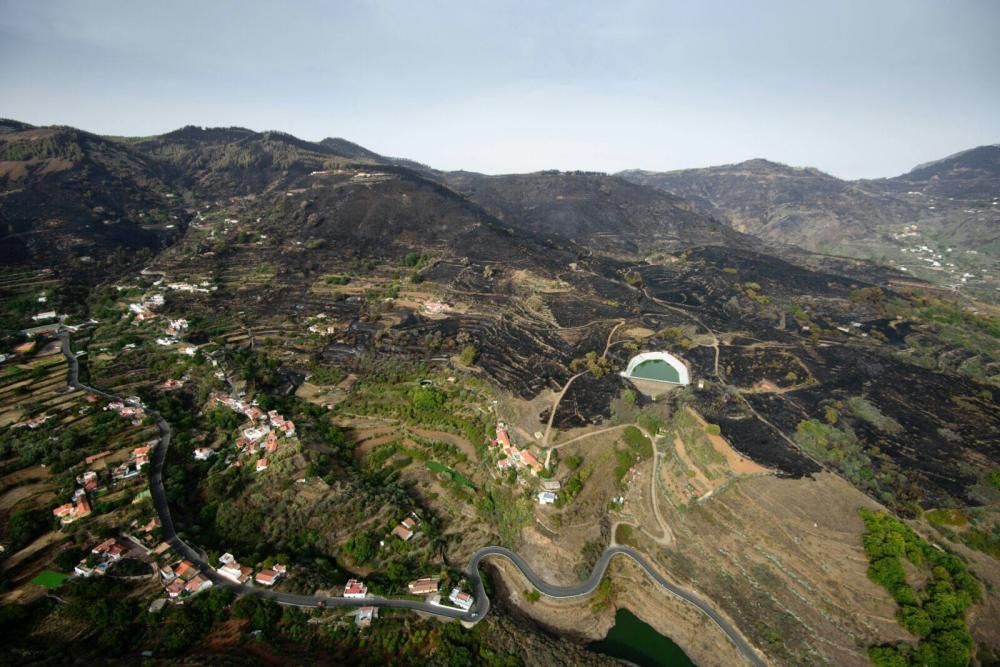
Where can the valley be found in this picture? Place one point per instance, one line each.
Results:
(352, 373)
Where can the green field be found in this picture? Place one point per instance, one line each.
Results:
(50, 579)
(442, 469)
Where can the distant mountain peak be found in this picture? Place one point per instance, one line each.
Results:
(979, 161)
(349, 148)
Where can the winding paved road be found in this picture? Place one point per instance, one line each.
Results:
(482, 605)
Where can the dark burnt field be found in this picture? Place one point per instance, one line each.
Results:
(533, 303)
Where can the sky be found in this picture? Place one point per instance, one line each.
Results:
(857, 89)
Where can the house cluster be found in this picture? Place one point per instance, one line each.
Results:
(511, 455)
(34, 422)
(148, 537)
(404, 529)
(101, 557)
(261, 435)
(175, 327)
(137, 458)
(183, 577)
(203, 287)
(144, 309)
(77, 508)
(320, 327)
(131, 410)
(232, 570)
(171, 384)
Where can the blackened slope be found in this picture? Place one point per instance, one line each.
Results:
(596, 210)
(801, 206)
(237, 161)
(69, 194)
(387, 211)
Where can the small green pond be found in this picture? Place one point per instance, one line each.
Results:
(632, 640)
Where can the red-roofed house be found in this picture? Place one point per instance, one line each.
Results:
(197, 584)
(94, 457)
(271, 576)
(63, 510)
(185, 569)
(175, 588)
(530, 461)
(235, 572)
(88, 480)
(70, 512)
(402, 532)
(355, 589)
(111, 548)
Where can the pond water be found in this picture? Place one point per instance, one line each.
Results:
(656, 369)
(632, 640)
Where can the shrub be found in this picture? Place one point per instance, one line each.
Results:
(469, 355)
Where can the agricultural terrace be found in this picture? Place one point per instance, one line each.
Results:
(47, 435)
(697, 460)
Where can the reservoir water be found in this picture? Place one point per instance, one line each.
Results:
(656, 369)
(632, 640)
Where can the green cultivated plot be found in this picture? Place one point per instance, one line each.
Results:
(50, 579)
(453, 475)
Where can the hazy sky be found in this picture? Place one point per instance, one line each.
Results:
(854, 88)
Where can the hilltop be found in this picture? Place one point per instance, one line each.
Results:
(951, 207)
(80, 202)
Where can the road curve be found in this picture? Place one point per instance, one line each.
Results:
(482, 604)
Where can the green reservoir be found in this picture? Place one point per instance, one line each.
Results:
(656, 369)
(631, 639)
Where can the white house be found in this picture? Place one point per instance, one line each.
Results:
(461, 599)
(355, 589)
(546, 498)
